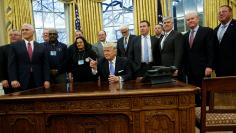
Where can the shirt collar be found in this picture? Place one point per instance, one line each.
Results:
(26, 42)
(113, 61)
(195, 29)
(167, 33)
(226, 25)
(147, 36)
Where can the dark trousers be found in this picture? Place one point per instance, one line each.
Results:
(31, 83)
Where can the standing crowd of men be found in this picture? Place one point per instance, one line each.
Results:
(27, 64)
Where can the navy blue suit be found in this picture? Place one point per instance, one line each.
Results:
(22, 69)
(226, 51)
(121, 51)
(122, 68)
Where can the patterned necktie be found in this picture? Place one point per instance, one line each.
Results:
(111, 68)
(30, 51)
(146, 52)
(191, 38)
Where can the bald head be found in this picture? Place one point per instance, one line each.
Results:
(27, 31)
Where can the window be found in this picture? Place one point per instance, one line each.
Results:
(115, 14)
(181, 7)
(49, 14)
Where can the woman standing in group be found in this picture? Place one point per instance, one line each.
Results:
(80, 55)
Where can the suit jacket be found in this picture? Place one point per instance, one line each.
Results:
(201, 54)
(172, 51)
(20, 65)
(120, 46)
(226, 51)
(135, 52)
(98, 48)
(4, 50)
(122, 68)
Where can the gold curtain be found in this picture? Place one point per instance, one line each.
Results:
(145, 10)
(211, 8)
(71, 23)
(233, 5)
(166, 7)
(17, 12)
(90, 13)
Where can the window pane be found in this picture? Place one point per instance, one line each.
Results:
(128, 18)
(120, 12)
(38, 19)
(62, 35)
(118, 17)
(107, 19)
(37, 5)
(52, 15)
(58, 6)
(39, 37)
(59, 20)
(47, 5)
(48, 20)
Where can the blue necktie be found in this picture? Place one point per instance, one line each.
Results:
(222, 31)
(125, 44)
(146, 53)
(111, 68)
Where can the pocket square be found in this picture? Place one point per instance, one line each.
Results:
(120, 71)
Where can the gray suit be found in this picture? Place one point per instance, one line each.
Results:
(98, 48)
(172, 50)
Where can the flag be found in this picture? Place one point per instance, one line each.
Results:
(159, 12)
(77, 19)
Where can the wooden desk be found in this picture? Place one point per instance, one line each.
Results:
(94, 108)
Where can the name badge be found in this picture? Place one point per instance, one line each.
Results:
(80, 62)
(53, 53)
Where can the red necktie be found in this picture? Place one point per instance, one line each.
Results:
(191, 38)
(30, 51)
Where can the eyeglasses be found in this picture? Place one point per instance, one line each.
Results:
(124, 32)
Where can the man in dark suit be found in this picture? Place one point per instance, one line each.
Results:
(171, 46)
(14, 36)
(124, 42)
(28, 62)
(57, 53)
(144, 51)
(198, 50)
(112, 68)
(225, 43)
(158, 31)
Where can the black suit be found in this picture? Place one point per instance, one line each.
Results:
(172, 50)
(24, 70)
(226, 51)
(122, 68)
(121, 52)
(199, 56)
(135, 55)
(4, 51)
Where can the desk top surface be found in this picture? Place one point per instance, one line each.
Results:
(96, 89)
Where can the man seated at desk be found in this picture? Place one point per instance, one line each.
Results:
(111, 67)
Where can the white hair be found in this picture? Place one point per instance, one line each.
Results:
(122, 27)
(192, 13)
(168, 18)
(110, 44)
(29, 26)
